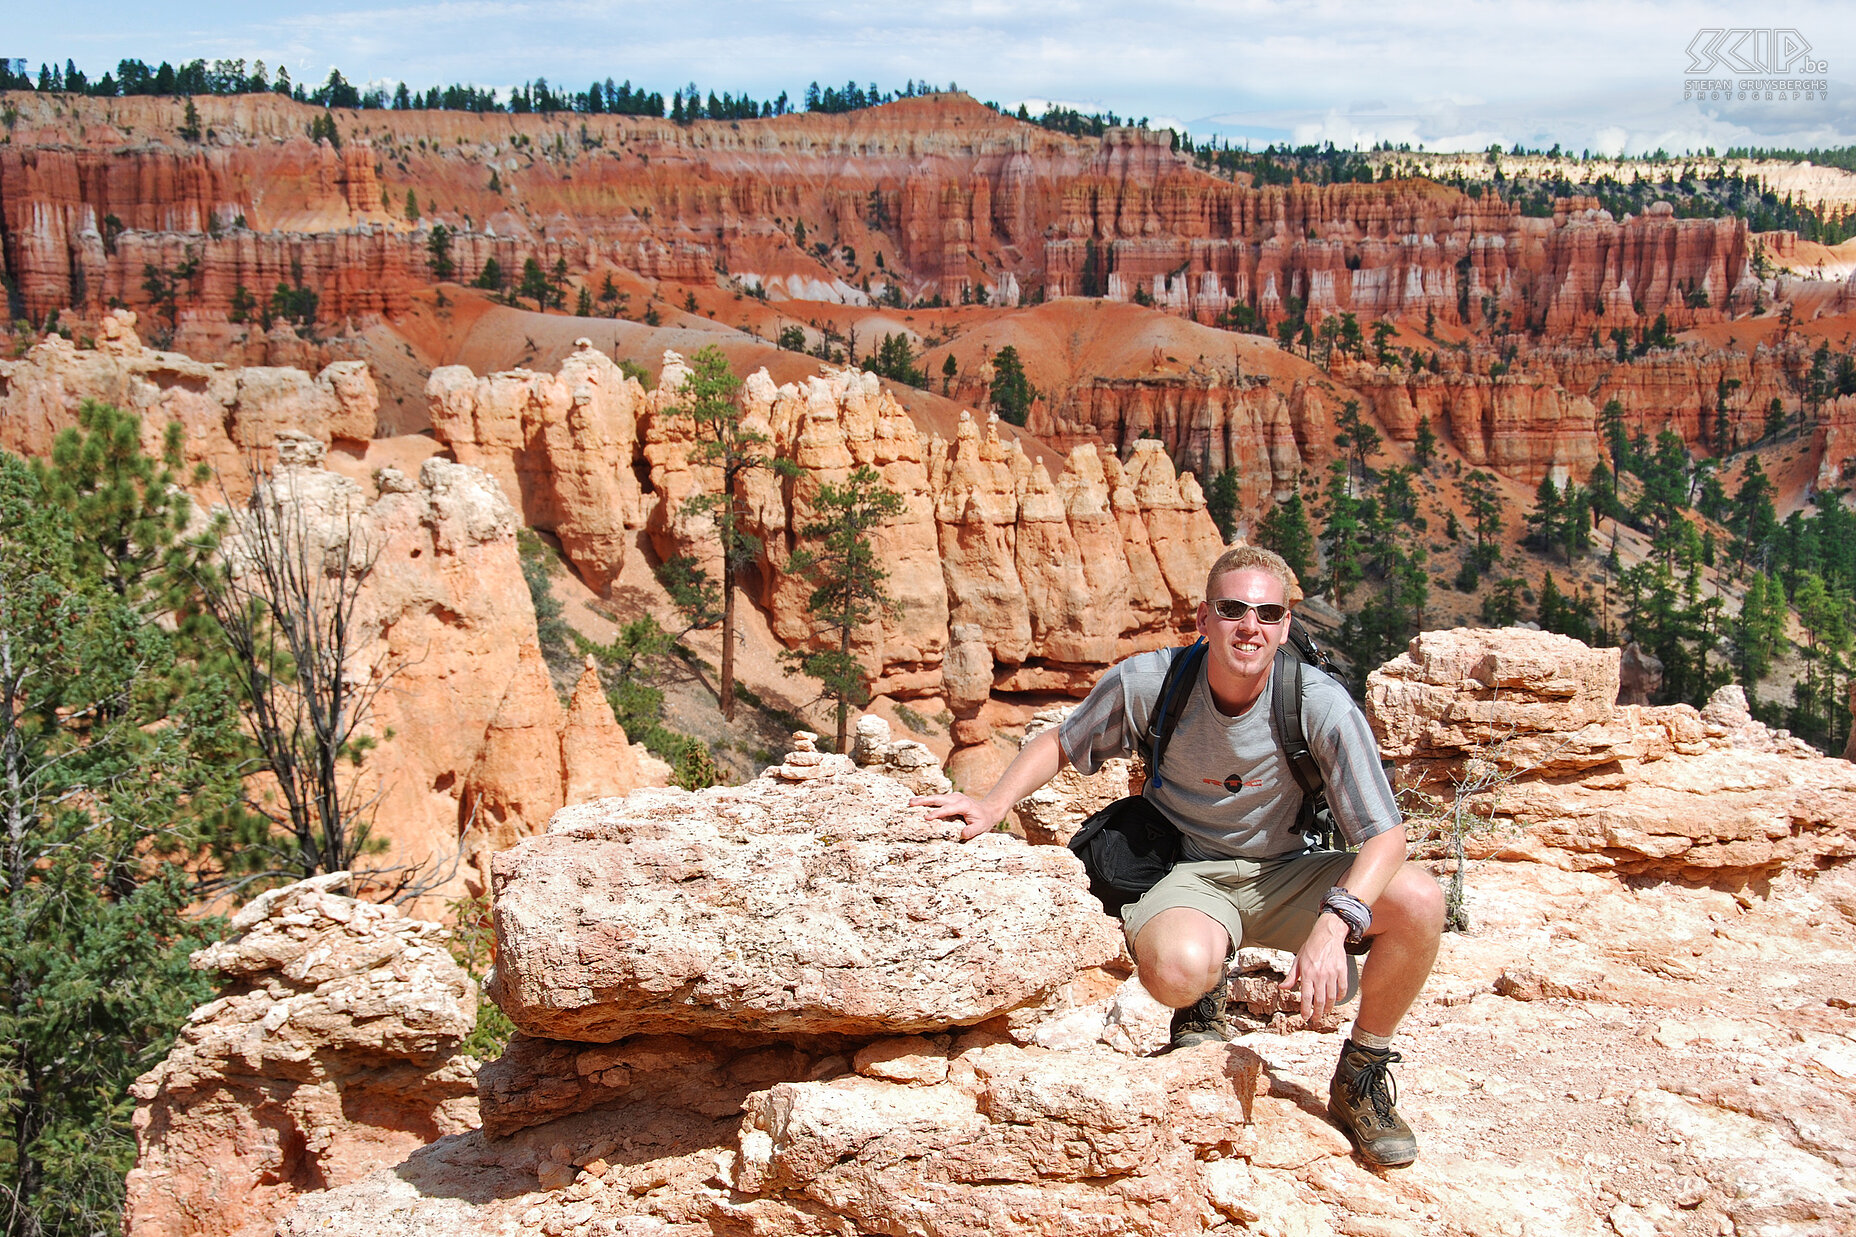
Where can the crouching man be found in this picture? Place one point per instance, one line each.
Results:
(1246, 874)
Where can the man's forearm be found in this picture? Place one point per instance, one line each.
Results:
(1036, 763)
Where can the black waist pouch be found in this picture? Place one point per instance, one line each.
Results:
(1126, 848)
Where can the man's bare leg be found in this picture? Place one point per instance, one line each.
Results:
(1408, 923)
(1180, 955)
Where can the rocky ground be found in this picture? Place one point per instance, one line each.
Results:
(1594, 1058)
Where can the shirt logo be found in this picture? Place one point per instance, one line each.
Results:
(1234, 783)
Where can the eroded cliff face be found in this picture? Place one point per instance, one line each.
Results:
(481, 752)
(1525, 408)
(951, 195)
(1050, 580)
(1057, 577)
(230, 416)
(933, 195)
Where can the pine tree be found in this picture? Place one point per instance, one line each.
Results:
(1344, 534)
(1667, 614)
(121, 758)
(438, 252)
(1547, 610)
(490, 277)
(848, 580)
(1602, 485)
(894, 359)
(1502, 607)
(1357, 436)
(1759, 629)
(1818, 706)
(1611, 422)
(1574, 534)
(1665, 482)
(1011, 393)
(1286, 530)
(1221, 503)
(1483, 497)
(535, 284)
(1424, 447)
(1775, 419)
(735, 450)
(1544, 520)
(1752, 519)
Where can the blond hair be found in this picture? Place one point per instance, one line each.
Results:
(1255, 558)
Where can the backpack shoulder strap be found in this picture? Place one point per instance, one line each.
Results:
(1286, 718)
(1183, 672)
(1303, 644)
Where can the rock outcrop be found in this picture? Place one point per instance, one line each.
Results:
(734, 911)
(1525, 728)
(443, 639)
(331, 1053)
(815, 1007)
(229, 416)
(560, 445)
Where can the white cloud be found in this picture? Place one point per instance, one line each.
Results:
(1610, 141)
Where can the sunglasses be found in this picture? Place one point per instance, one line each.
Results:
(1233, 609)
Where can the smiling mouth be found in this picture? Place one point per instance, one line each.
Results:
(1249, 646)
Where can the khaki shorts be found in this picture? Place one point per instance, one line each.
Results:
(1271, 903)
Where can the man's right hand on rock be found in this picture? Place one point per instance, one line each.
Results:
(979, 819)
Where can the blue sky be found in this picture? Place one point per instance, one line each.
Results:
(1601, 76)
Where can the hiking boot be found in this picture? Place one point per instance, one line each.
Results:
(1202, 1022)
(1360, 1099)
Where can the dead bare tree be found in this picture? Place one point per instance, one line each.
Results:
(284, 594)
(1469, 809)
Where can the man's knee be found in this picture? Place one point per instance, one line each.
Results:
(1413, 904)
(1180, 955)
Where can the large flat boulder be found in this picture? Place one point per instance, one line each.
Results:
(819, 906)
(1469, 687)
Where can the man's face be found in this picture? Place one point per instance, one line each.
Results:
(1242, 650)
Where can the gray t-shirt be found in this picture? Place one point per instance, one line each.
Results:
(1226, 784)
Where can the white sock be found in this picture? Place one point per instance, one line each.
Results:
(1366, 1039)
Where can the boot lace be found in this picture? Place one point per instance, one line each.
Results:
(1374, 1081)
